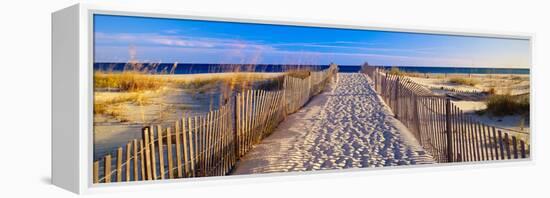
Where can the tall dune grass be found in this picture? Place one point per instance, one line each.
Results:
(111, 106)
(396, 71)
(299, 73)
(139, 81)
(464, 81)
(130, 81)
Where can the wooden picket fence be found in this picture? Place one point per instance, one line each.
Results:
(441, 127)
(258, 113)
(209, 144)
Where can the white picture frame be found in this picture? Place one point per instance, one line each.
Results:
(72, 97)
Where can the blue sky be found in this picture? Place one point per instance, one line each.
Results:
(120, 39)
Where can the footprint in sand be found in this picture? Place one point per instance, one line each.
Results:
(345, 127)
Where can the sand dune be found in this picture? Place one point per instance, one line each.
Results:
(345, 127)
(514, 84)
(162, 106)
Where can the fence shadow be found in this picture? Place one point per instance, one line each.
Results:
(441, 127)
(210, 144)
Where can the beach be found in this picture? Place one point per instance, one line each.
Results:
(514, 84)
(347, 126)
(472, 98)
(183, 94)
(196, 98)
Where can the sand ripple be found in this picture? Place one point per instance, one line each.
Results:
(345, 127)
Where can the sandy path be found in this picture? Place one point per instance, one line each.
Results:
(344, 127)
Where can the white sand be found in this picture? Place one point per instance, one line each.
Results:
(514, 84)
(345, 127)
(470, 106)
(162, 106)
(514, 122)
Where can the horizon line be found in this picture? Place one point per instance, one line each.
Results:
(439, 66)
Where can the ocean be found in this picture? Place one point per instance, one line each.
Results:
(198, 68)
(460, 70)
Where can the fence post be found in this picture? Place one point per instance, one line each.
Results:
(235, 125)
(417, 118)
(386, 88)
(449, 132)
(397, 98)
(376, 85)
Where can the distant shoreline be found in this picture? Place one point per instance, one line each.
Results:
(186, 68)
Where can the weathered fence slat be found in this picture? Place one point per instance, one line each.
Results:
(514, 147)
(119, 165)
(178, 135)
(96, 172)
(128, 158)
(185, 149)
(142, 160)
(507, 146)
(204, 141)
(107, 169)
(152, 153)
(192, 151)
(496, 143)
(501, 145)
(170, 153)
(160, 151)
(210, 144)
(135, 156)
(522, 146)
(147, 155)
(440, 126)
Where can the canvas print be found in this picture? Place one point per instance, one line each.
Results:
(179, 98)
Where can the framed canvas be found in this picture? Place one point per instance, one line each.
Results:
(164, 98)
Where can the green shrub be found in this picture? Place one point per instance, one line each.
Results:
(502, 105)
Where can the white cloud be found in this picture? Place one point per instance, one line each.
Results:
(358, 47)
(149, 39)
(248, 55)
(154, 46)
